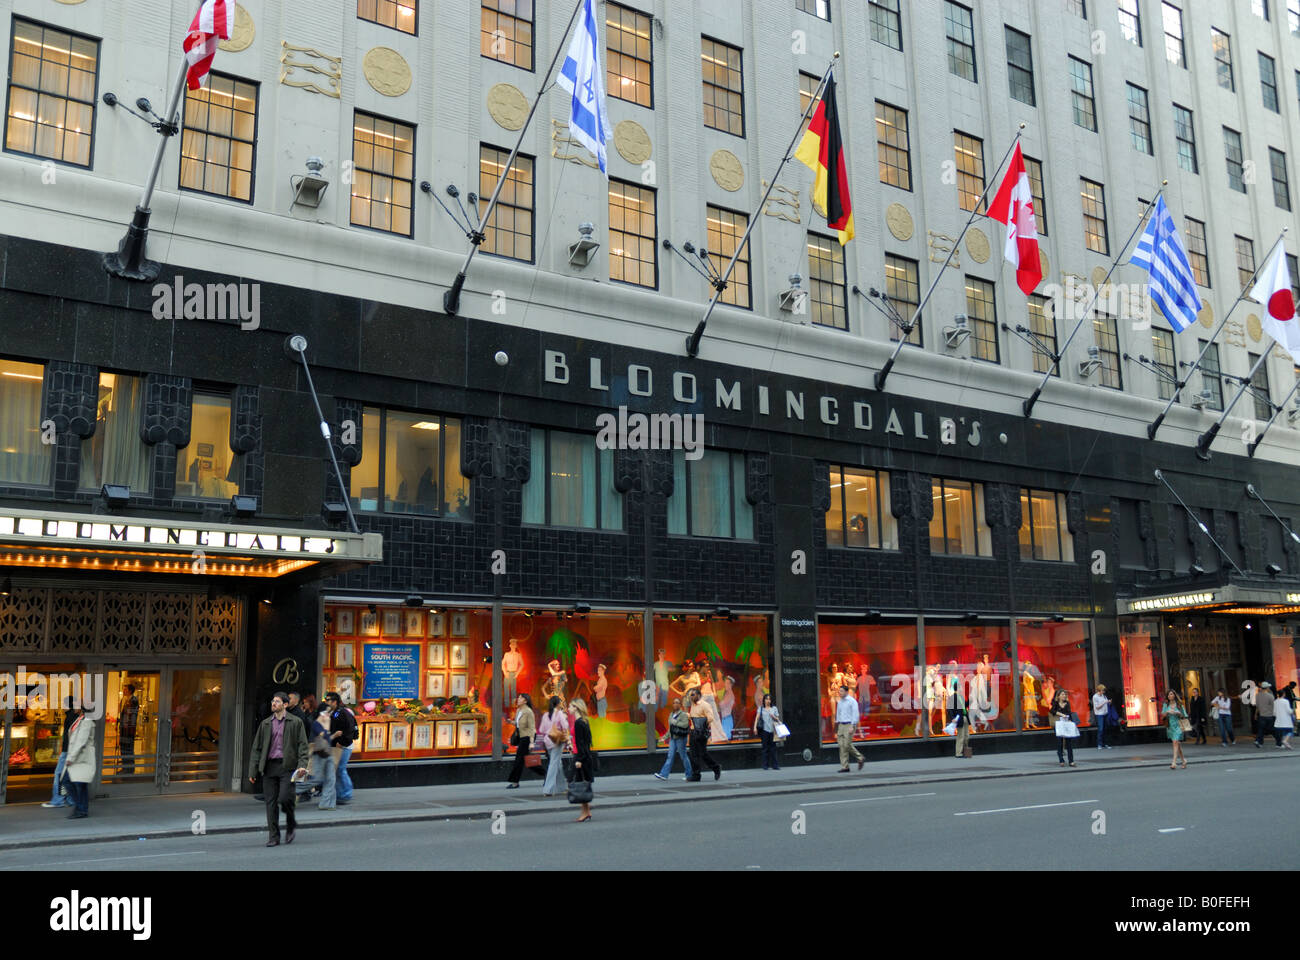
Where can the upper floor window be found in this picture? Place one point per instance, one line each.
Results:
(398, 14)
(1175, 48)
(115, 453)
(1077, 7)
(1281, 179)
(1221, 43)
(1293, 15)
(903, 287)
(410, 463)
(1139, 120)
(1211, 375)
(1042, 324)
(207, 467)
(24, 459)
(1268, 81)
(708, 498)
(1245, 260)
(724, 86)
(957, 527)
(725, 228)
(1020, 66)
(52, 81)
(383, 174)
(969, 153)
(1232, 153)
(982, 311)
(1130, 21)
(859, 514)
(827, 300)
(1259, 8)
(1085, 107)
(893, 146)
(886, 23)
(629, 55)
(1197, 252)
(510, 232)
(818, 8)
(959, 24)
(1259, 389)
(1105, 331)
(1163, 359)
(1093, 197)
(1035, 170)
(633, 253)
(571, 483)
(1044, 529)
(219, 138)
(507, 32)
(1185, 133)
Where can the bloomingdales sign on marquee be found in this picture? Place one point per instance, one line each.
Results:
(97, 533)
(728, 393)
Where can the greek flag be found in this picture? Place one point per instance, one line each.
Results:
(1161, 254)
(583, 76)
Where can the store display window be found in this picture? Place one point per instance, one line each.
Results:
(1143, 672)
(1053, 657)
(878, 663)
(598, 657)
(36, 728)
(728, 658)
(1285, 655)
(976, 660)
(419, 680)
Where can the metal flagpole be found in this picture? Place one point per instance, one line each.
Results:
(1250, 489)
(1204, 440)
(1151, 430)
(1199, 523)
(1028, 405)
(451, 299)
(1287, 399)
(883, 373)
(128, 261)
(720, 285)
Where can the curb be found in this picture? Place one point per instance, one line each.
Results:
(683, 797)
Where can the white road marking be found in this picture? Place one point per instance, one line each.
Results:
(143, 856)
(1033, 806)
(903, 796)
(1171, 829)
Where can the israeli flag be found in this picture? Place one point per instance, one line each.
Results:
(583, 76)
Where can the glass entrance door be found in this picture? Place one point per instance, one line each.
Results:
(193, 750)
(129, 738)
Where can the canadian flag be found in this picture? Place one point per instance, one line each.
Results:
(214, 21)
(1014, 206)
(1273, 289)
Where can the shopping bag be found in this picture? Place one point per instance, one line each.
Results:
(782, 731)
(951, 729)
(1067, 729)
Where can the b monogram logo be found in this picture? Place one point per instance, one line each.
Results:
(286, 671)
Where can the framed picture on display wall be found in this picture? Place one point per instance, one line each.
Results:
(369, 624)
(343, 621)
(437, 655)
(393, 623)
(376, 737)
(436, 685)
(422, 736)
(460, 624)
(414, 623)
(437, 624)
(459, 656)
(467, 734)
(459, 684)
(446, 734)
(399, 736)
(343, 654)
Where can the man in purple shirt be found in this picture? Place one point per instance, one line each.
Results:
(279, 752)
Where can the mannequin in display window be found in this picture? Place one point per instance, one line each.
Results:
(554, 687)
(1049, 690)
(512, 664)
(602, 685)
(980, 698)
(1028, 697)
(727, 705)
(931, 690)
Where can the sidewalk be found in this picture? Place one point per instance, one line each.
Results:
(30, 825)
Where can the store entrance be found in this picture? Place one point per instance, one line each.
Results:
(1209, 680)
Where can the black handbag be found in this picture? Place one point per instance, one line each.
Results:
(580, 791)
(514, 739)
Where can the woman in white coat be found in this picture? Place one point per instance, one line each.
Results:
(80, 768)
(1283, 721)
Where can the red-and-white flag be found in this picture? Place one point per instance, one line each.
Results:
(1273, 289)
(214, 21)
(1014, 206)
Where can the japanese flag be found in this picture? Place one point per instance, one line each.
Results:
(1273, 289)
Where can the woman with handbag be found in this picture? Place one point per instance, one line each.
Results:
(1067, 727)
(703, 719)
(522, 738)
(584, 762)
(1177, 726)
(765, 725)
(554, 731)
(323, 769)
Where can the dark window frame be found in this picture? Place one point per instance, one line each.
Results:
(10, 84)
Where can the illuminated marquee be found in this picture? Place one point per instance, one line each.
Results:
(1164, 603)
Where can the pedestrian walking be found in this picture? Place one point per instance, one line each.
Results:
(1264, 712)
(1101, 714)
(846, 722)
(343, 733)
(765, 724)
(961, 719)
(324, 778)
(679, 729)
(1196, 713)
(127, 716)
(1222, 708)
(1066, 722)
(80, 768)
(522, 738)
(1175, 718)
(554, 730)
(584, 762)
(279, 753)
(703, 717)
(1283, 722)
(57, 798)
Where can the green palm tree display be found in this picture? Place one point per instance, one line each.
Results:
(748, 647)
(703, 646)
(562, 645)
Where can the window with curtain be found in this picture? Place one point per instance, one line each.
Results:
(507, 32)
(1044, 534)
(629, 60)
(52, 76)
(1042, 323)
(398, 14)
(219, 137)
(115, 453)
(571, 484)
(410, 463)
(207, 467)
(24, 459)
(957, 527)
(903, 286)
(709, 497)
(1163, 359)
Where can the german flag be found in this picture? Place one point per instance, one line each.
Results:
(822, 151)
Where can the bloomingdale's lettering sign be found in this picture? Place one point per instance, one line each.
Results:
(887, 417)
(92, 533)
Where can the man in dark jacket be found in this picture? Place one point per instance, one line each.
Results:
(279, 751)
(1196, 713)
(343, 730)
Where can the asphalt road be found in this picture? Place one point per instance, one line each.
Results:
(1223, 813)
